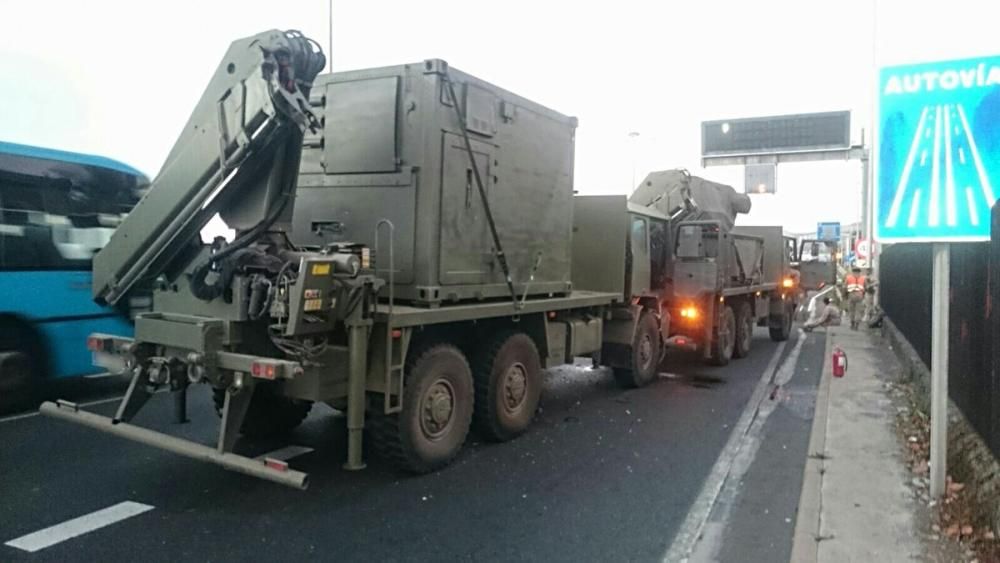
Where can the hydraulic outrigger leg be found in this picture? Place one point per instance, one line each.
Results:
(357, 340)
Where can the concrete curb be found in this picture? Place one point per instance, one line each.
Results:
(805, 541)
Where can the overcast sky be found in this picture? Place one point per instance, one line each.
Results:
(120, 78)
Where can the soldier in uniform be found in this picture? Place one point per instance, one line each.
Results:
(855, 285)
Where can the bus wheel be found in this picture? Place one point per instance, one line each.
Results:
(744, 331)
(724, 339)
(436, 412)
(269, 414)
(644, 356)
(17, 368)
(508, 380)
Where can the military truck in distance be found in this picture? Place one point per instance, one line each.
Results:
(688, 271)
(816, 261)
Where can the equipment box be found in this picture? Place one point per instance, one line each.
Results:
(392, 148)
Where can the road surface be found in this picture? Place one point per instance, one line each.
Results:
(603, 474)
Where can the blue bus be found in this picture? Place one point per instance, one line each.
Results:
(57, 209)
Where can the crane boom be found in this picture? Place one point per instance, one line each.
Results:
(242, 141)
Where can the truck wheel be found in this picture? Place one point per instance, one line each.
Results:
(269, 414)
(781, 325)
(644, 356)
(744, 331)
(724, 339)
(19, 352)
(437, 411)
(508, 381)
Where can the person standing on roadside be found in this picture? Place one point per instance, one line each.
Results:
(855, 284)
(870, 286)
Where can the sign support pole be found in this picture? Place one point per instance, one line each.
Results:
(939, 369)
(866, 232)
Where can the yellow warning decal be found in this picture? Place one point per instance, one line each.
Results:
(321, 269)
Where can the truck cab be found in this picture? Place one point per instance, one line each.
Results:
(727, 281)
(816, 263)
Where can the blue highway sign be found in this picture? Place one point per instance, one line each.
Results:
(939, 150)
(828, 231)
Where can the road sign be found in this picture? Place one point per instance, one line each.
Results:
(828, 231)
(862, 248)
(939, 150)
(776, 134)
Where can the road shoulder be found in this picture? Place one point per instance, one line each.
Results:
(863, 510)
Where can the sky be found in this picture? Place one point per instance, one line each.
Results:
(119, 78)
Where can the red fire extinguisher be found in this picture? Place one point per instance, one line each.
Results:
(839, 363)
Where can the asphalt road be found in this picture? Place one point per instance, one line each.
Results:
(603, 474)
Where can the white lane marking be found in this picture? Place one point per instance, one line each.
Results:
(949, 172)
(286, 453)
(973, 214)
(923, 157)
(983, 179)
(691, 528)
(69, 529)
(707, 549)
(914, 209)
(934, 211)
(905, 176)
(961, 153)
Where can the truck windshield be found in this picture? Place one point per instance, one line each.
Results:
(697, 241)
(817, 251)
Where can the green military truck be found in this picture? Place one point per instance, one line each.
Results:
(406, 252)
(706, 280)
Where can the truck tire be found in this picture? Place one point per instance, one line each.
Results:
(744, 331)
(723, 339)
(644, 355)
(508, 382)
(780, 326)
(269, 415)
(20, 365)
(437, 411)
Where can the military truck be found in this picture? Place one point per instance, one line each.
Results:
(816, 261)
(402, 254)
(709, 282)
(406, 252)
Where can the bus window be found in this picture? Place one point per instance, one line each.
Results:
(56, 210)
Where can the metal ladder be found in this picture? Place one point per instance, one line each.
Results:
(390, 367)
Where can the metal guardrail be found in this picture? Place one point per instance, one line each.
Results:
(905, 286)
